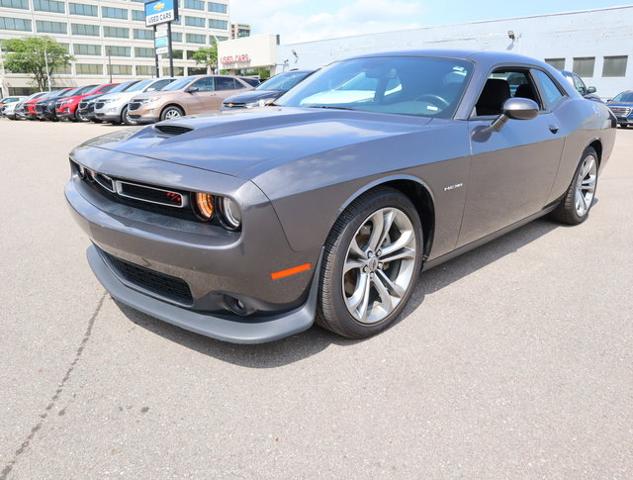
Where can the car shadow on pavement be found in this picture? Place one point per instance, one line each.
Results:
(315, 340)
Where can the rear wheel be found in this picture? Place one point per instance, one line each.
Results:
(576, 205)
(171, 112)
(371, 263)
(125, 116)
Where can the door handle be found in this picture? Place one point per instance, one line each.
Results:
(554, 129)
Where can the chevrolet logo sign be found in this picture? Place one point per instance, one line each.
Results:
(159, 6)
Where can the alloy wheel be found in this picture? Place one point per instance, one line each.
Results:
(379, 265)
(172, 113)
(586, 185)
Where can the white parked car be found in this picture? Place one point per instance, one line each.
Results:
(113, 107)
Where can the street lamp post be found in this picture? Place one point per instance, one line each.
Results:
(109, 63)
(48, 73)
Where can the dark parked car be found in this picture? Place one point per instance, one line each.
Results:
(45, 107)
(622, 107)
(588, 92)
(247, 227)
(86, 107)
(267, 92)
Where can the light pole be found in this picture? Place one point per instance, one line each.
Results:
(109, 63)
(48, 73)
(5, 91)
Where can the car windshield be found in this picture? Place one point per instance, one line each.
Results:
(85, 89)
(283, 82)
(404, 85)
(178, 84)
(122, 87)
(108, 88)
(624, 97)
(140, 85)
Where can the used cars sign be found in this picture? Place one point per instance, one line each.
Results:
(160, 11)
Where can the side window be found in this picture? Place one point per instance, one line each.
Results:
(580, 85)
(204, 84)
(224, 83)
(503, 84)
(549, 91)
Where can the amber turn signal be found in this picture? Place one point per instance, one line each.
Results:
(204, 204)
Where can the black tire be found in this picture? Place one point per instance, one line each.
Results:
(566, 211)
(124, 118)
(622, 125)
(171, 108)
(332, 312)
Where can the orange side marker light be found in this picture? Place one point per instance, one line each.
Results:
(289, 272)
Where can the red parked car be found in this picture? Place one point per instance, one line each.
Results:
(66, 108)
(30, 113)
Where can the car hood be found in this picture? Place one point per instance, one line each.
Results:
(247, 143)
(254, 96)
(157, 93)
(118, 96)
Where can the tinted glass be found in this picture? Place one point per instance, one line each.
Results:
(420, 86)
(204, 84)
(85, 89)
(224, 83)
(122, 87)
(283, 82)
(160, 85)
(624, 97)
(615, 66)
(137, 87)
(549, 91)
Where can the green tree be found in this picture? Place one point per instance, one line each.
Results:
(38, 56)
(207, 56)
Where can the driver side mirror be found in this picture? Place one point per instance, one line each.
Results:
(591, 90)
(192, 90)
(516, 109)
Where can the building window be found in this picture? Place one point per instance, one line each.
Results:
(195, 38)
(138, 15)
(22, 4)
(143, 34)
(49, 6)
(145, 70)
(65, 70)
(584, 66)
(218, 24)
(178, 71)
(120, 69)
(111, 12)
(194, 22)
(118, 51)
(615, 66)
(83, 49)
(218, 7)
(89, 69)
(176, 37)
(65, 46)
(82, 9)
(116, 32)
(194, 4)
(85, 30)
(143, 52)
(15, 24)
(557, 63)
(220, 38)
(51, 27)
(197, 71)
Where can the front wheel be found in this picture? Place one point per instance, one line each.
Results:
(578, 201)
(125, 117)
(171, 113)
(371, 263)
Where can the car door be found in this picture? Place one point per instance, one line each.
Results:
(513, 169)
(200, 100)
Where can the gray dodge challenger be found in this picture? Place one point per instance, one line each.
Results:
(248, 227)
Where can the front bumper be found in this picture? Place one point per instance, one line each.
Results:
(145, 113)
(218, 267)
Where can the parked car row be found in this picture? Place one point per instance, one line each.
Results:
(150, 100)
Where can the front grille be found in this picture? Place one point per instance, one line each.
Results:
(134, 106)
(234, 105)
(621, 112)
(144, 193)
(99, 105)
(83, 105)
(166, 286)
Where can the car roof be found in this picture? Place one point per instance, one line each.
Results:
(477, 56)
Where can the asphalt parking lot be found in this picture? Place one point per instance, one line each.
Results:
(513, 361)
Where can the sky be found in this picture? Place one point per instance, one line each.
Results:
(304, 20)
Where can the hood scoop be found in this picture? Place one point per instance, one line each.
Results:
(172, 130)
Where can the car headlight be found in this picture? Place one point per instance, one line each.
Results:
(259, 103)
(228, 212)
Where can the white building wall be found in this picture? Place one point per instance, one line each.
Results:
(595, 33)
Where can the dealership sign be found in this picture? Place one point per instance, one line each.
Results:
(160, 11)
(161, 44)
(236, 59)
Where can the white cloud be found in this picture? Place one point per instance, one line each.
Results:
(353, 17)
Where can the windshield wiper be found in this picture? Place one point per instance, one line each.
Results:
(330, 107)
